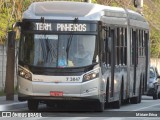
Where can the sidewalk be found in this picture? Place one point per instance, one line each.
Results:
(4, 101)
(6, 105)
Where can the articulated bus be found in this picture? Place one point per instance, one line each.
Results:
(76, 51)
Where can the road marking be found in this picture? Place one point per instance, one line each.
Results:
(76, 118)
(83, 118)
(113, 118)
(32, 118)
(13, 103)
(146, 107)
(12, 106)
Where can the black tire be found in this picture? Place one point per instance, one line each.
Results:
(117, 104)
(107, 96)
(33, 104)
(140, 95)
(101, 107)
(155, 96)
(48, 105)
(134, 100)
(140, 98)
(21, 99)
(126, 101)
(159, 95)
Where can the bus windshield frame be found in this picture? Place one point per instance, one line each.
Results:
(44, 44)
(57, 51)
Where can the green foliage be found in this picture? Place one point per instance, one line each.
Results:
(114, 4)
(2, 93)
(94, 1)
(151, 11)
(154, 43)
(26, 3)
(152, 14)
(6, 22)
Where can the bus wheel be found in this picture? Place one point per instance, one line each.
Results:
(155, 96)
(117, 104)
(139, 98)
(101, 107)
(140, 95)
(33, 104)
(159, 95)
(126, 101)
(134, 100)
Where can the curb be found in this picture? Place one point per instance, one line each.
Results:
(12, 106)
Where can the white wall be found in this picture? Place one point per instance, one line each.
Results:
(155, 62)
(3, 61)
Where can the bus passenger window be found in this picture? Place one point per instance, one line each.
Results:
(81, 56)
(125, 47)
(108, 46)
(117, 46)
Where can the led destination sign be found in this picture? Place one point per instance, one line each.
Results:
(44, 26)
(61, 27)
(81, 27)
(71, 27)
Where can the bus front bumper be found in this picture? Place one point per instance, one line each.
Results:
(71, 91)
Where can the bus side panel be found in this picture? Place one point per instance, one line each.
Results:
(24, 86)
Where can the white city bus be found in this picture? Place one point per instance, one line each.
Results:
(76, 51)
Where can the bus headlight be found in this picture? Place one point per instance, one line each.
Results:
(91, 75)
(25, 74)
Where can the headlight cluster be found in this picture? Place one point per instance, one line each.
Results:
(91, 75)
(24, 73)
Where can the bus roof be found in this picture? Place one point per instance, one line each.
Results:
(68, 10)
(62, 10)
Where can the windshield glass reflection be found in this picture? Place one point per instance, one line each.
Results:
(57, 50)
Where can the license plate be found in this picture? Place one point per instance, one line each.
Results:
(56, 93)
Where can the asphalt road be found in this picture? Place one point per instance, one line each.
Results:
(148, 109)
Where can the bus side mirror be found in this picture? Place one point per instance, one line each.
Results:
(135, 3)
(17, 24)
(138, 3)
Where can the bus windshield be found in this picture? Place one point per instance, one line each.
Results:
(46, 50)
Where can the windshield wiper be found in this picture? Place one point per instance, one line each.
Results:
(69, 41)
(48, 49)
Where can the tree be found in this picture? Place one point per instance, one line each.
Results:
(6, 20)
(151, 12)
(11, 11)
